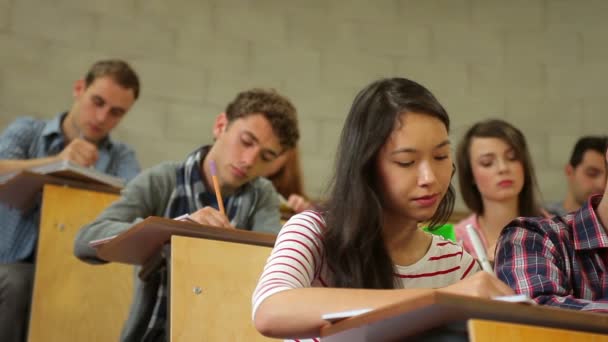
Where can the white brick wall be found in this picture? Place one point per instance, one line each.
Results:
(541, 65)
(5, 14)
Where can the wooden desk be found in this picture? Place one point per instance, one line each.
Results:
(211, 287)
(213, 272)
(419, 315)
(483, 331)
(74, 301)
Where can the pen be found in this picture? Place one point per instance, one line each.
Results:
(216, 186)
(479, 249)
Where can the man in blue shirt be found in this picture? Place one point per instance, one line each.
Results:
(81, 136)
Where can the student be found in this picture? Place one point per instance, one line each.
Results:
(364, 249)
(497, 181)
(286, 176)
(559, 261)
(256, 128)
(81, 136)
(586, 174)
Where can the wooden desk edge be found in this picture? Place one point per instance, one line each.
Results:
(467, 307)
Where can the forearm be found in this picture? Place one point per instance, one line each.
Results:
(98, 229)
(297, 313)
(14, 165)
(572, 303)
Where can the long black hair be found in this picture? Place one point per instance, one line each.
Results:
(355, 250)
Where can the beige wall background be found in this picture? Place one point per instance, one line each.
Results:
(540, 64)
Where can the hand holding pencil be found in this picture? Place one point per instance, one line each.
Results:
(216, 187)
(209, 215)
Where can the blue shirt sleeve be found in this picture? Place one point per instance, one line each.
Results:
(127, 166)
(16, 139)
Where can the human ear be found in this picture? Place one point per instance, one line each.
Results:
(79, 88)
(568, 170)
(219, 127)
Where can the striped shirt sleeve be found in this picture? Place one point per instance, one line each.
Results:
(296, 257)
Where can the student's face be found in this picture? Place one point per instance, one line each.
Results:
(244, 149)
(276, 165)
(415, 167)
(99, 108)
(497, 172)
(588, 178)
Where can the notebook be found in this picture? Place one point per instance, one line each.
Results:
(68, 170)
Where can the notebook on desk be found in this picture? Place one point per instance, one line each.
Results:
(140, 242)
(20, 189)
(69, 170)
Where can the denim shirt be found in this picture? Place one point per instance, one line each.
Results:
(29, 138)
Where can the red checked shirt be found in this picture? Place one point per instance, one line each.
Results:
(562, 261)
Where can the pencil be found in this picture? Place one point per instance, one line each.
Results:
(479, 249)
(216, 186)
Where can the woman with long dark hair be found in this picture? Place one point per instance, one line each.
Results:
(497, 181)
(364, 248)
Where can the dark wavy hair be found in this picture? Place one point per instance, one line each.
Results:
(529, 202)
(276, 108)
(588, 143)
(120, 71)
(355, 250)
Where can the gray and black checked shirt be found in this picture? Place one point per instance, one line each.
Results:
(29, 138)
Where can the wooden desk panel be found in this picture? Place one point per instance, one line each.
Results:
(426, 312)
(72, 300)
(484, 331)
(226, 274)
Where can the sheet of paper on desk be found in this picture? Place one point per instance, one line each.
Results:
(337, 316)
(99, 242)
(520, 298)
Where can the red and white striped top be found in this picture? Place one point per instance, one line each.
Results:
(297, 261)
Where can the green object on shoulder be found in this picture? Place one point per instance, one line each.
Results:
(447, 231)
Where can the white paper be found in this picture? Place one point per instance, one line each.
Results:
(520, 298)
(336, 316)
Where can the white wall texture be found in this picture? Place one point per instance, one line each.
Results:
(540, 64)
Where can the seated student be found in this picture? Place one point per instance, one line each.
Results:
(586, 173)
(497, 181)
(364, 248)
(559, 261)
(256, 128)
(81, 136)
(286, 176)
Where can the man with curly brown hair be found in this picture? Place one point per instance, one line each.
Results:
(257, 127)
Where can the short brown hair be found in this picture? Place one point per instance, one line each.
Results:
(529, 204)
(276, 108)
(120, 71)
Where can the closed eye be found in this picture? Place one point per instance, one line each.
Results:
(98, 101)
(246, 142)
(404, 164)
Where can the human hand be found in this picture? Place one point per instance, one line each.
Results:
(80, 152)
(211, 217)
(298, 203)
(481, 284)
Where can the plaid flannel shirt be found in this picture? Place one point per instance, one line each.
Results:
(561, 261)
